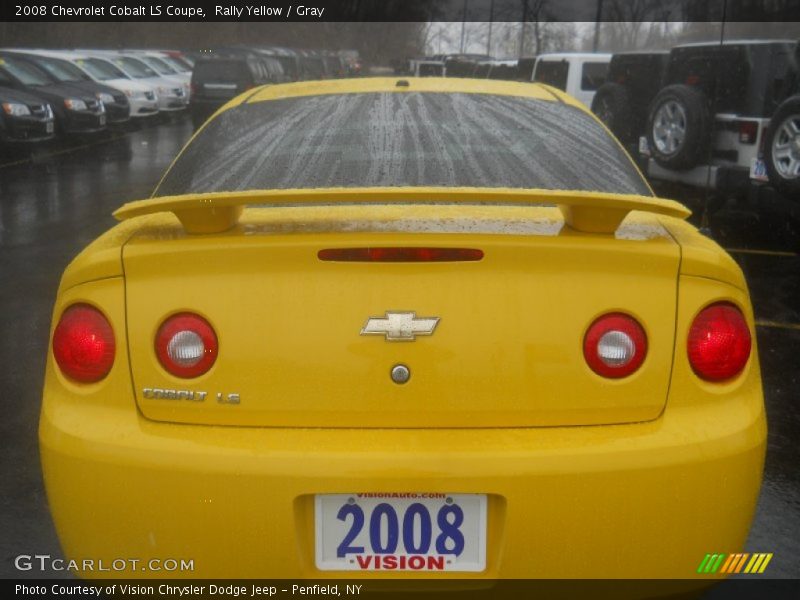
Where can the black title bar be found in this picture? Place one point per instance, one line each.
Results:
(405, 11)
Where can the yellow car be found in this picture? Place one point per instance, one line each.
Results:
(416, 328)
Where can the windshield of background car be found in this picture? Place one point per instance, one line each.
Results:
(158, 65)
(24, 73)
(101, 69)
(135, 67)
(60, 70)
(403, 139)
(175, 64)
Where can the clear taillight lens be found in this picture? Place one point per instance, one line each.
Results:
(615, 345)
(186, 345)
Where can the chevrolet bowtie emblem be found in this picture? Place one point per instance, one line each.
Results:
(400, 326)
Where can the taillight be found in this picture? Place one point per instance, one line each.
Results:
(83, 344)
(748, 131)
(719, 342)
(186, 345)
(402, 254)
(615, 345)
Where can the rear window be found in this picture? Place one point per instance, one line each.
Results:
(402, 139)
(552, 73)
(593, 75)
(431, 70)
(220, 70)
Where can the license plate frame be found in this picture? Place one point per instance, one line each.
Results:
(335, 521)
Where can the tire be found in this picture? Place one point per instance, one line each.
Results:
(679, 127)
(782, 149)
(612, 105)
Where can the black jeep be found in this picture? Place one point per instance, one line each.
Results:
(633, 80)
(727, 113)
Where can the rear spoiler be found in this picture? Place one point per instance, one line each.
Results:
(592, 212)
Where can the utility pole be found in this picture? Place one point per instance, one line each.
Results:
(489, 39)
(597, 18)
(522, 29)
(463, 25)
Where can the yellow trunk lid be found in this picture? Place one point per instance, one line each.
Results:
(507, 350)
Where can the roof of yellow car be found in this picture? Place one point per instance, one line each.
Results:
(365, 85)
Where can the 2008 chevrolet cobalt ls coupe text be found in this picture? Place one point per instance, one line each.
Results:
(416, 328)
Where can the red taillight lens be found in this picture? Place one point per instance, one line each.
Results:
(186, 345)
(400, 254)
(719, 342)
(615, 345)
(748, 131)
(83, 344)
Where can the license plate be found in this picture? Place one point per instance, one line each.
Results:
(400, 532)
(102, 119)
(50, 127)
(644, 147)
(758, 170)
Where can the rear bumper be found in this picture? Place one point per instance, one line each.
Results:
(632, 501)
(723, 178)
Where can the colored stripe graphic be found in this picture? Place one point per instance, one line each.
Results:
(764, 564)
(711, 563)
(740, 562)
(717, 563)
(728, 563)
(703, 563)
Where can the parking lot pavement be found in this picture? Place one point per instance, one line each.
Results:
(52, 204)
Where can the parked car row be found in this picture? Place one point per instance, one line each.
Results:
(49, 93)
(578, 74)
(224, 73)
(710, 115)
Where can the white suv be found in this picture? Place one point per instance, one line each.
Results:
(577, 73)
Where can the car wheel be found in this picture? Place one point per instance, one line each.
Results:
(678, 127)
(612, 106)
(782, 148)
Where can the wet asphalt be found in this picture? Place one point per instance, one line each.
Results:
(57, 199)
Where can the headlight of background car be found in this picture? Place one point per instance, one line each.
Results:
(15, 110)
(105, 98)
(74, 104)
